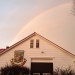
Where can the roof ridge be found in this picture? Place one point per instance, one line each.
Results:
(31, 35)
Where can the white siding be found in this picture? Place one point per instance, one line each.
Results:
(46, 53)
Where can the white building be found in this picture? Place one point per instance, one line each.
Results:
(40, 53)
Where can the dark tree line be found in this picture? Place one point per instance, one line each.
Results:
(17, 70)
(14, 70)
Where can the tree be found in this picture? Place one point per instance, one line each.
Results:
(73, 11)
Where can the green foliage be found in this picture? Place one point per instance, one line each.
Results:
(17, 70)
(67, 71)
(14, 70)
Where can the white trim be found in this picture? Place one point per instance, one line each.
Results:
(42, 59)
(46, 73)
(36, 73)
(46, 59)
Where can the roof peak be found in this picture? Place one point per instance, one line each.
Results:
(31, 35)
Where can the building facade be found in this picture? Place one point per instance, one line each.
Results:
(42, 55)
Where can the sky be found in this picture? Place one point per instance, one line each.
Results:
(15, 14)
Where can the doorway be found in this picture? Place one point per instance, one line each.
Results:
(41, 68)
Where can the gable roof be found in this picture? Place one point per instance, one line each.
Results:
(1, 50)
(26, 38)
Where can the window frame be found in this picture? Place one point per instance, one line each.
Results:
(31, 43)
(46, 73)
(37, 43)
(36, 73)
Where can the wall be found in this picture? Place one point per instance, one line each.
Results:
(46, 53)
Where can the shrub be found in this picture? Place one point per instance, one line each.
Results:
(14, 70)
(67, 71)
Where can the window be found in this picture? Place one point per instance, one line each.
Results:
(36, 73)
(37, 43)
(46, 74)
(31, 43)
